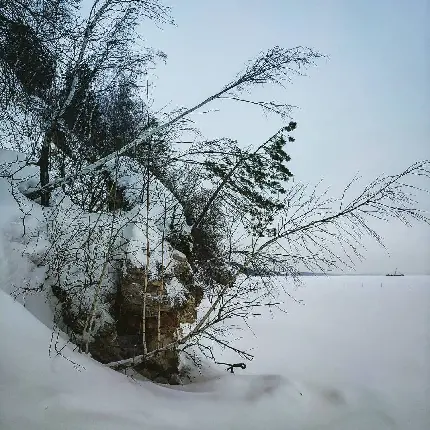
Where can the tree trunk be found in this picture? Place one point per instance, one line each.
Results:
(44, 170)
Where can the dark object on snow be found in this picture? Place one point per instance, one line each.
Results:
(395, 274)
(232, 366)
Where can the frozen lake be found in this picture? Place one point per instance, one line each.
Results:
(366, 331)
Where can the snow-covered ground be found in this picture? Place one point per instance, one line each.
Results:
(356, 356)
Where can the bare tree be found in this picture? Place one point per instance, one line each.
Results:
(270, 68)
(83, 61)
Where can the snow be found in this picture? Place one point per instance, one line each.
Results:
(355, 357)
(179, 256)
(360, 331)
(176, 293)
(20, 273)
(164, 211)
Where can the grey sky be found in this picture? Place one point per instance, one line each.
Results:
(366, 109)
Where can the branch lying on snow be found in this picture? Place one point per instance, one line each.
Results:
(231, 366)
(274, 66)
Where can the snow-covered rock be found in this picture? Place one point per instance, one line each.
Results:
(79, 260)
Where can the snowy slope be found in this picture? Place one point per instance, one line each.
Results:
(38, 392)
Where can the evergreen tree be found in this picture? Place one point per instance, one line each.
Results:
(250, 183)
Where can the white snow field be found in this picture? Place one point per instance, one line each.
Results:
(356, 356)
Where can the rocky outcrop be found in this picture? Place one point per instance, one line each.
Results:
(123, 337)
(94, 262)
(164, 315)
(96, 269)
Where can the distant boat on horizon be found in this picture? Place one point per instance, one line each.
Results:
(395, 274)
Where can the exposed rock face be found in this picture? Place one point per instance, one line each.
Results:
(82, 246)
(163, 319)
(123, 337)
(105, 346)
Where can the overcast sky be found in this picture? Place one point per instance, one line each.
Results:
(365, 109)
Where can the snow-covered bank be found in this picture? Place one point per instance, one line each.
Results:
(88, 268)
(306, 375)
